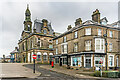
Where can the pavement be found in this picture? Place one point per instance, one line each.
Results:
(24, 71)
(16, 70)
(75, 73)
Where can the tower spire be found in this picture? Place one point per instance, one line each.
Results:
(27, 6)
(28, 14)
(27, 22)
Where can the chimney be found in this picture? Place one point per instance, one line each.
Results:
(78, 21)
(45, 22)
(96, 16)
(69, 27)
(16, 48)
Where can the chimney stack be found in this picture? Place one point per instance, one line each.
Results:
(96, 16)
(69, 27)
(16, 48)
(78, 21)
(45, 22)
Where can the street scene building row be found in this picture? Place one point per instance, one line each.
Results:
(86, 45)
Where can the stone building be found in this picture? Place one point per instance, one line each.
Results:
(36, 40)
(89, 44)
(15, 56)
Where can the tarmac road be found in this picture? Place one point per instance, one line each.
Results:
(51, 75)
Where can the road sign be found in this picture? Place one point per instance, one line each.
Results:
(34, 56)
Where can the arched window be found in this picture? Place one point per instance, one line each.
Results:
(38, 56)
(50, 56)
(44, 56)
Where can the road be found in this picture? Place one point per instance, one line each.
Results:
(46, 74)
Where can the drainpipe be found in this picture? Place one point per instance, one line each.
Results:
(105, 36)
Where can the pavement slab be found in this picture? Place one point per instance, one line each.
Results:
(17, 70)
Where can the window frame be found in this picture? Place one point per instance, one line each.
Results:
(76, 34)
(56, 50)
(88, 46)
(101, 45)
(110, 33)
(57, 41)
(109, 60)
(87, 32)
(110, 46)
(76, 47)
(64, 39)
(99, 32)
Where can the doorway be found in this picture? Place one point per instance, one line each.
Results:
(88, 62)
(60, 61)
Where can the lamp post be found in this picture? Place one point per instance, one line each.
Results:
(105, 36)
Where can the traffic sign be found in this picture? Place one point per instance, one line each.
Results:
(34, 56)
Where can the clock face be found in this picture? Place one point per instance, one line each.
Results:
(28, 25)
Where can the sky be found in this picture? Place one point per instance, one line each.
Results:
(60, 13)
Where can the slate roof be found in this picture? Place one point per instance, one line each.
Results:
(38, 25)
(88, 23)
(14, 51)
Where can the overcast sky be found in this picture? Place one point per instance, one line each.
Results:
(60, 14)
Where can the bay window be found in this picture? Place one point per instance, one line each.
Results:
(99, 45)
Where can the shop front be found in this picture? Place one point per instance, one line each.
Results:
(76, 61)
(98, 59)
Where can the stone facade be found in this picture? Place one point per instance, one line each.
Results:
(85, 44)
(36, 40)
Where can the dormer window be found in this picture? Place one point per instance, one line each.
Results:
(104, 23)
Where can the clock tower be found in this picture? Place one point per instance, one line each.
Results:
(27, 22)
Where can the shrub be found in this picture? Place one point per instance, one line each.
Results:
(97, 73)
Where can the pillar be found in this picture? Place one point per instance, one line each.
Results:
(42, 56)
(48, 56)
(30, 57)
(83, 61)
(106, 57)
(93, 62)
(26, 57)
